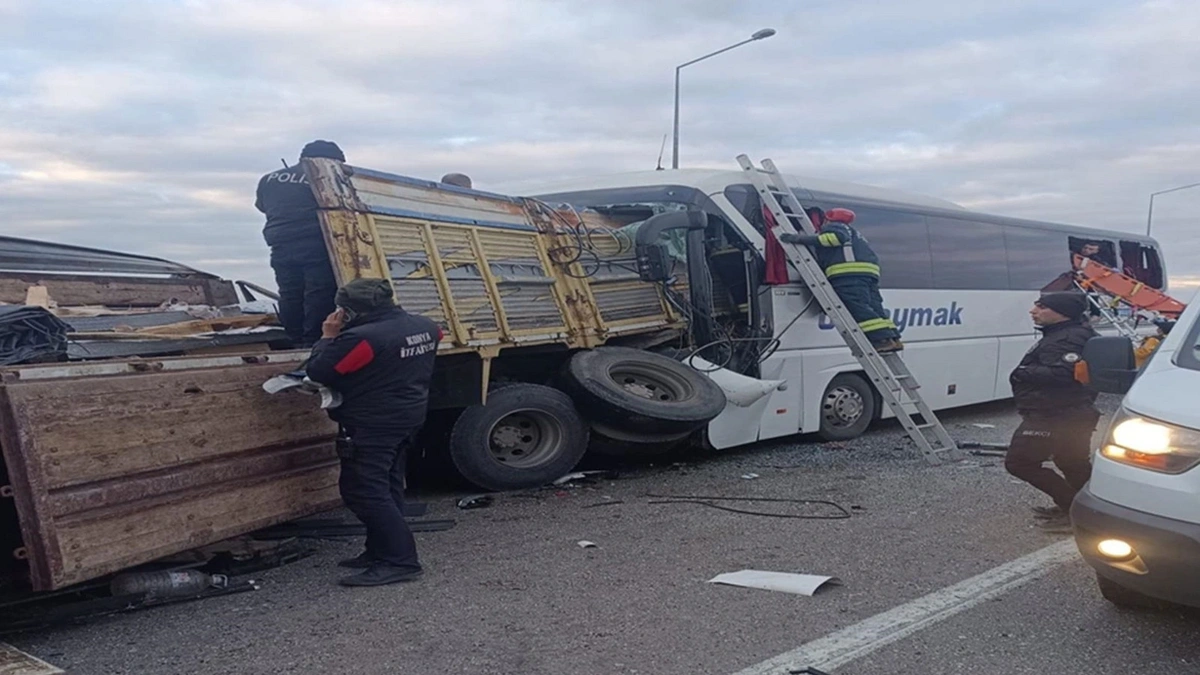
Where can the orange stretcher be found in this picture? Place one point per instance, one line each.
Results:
(1092, 275)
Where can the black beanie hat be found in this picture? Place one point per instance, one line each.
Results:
(365, 295)
(325, 149)
(1069, 304)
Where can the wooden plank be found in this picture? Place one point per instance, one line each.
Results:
(107, 543)
(104, 427)
(117, 291)
(112, 470)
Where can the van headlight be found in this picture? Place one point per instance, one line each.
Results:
(1152, 445)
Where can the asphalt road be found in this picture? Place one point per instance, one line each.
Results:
(509, 591)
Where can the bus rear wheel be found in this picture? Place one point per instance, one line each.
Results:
(847, 408)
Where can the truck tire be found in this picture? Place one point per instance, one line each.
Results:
(525, 436)
(642, 392)
(847, 407)
(631, 447)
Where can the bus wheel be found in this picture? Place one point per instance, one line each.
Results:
(847, 408)
(525, 436)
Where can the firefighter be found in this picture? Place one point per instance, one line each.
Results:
(853, 270)
(1058, 414)
(298, 254)
(380, 359)
(1150, 343)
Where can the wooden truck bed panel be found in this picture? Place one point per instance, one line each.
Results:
(112, 469)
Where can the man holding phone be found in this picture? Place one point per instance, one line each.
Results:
(380, 359)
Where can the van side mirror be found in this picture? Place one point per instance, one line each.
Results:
(1109, 364)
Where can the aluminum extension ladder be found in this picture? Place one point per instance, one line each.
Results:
(888, 372)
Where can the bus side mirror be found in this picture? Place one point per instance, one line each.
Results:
(1108, 364)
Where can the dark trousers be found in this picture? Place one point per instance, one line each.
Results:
(306, 289)
(1065, 437)
(372, 487)
(860, 295)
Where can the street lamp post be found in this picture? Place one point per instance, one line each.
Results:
(760, 35)
(1150, 211)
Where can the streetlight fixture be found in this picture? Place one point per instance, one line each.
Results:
(1150, 211)
(759, 35)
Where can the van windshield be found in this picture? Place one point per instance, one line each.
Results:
(1189, 354)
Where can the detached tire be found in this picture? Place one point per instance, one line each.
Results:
(642, 392)
(847, 408)
(525, 436)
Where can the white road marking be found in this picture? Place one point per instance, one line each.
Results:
(864, 637)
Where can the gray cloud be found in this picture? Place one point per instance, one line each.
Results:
(143, 125)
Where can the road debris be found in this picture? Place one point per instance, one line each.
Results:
(476, 502)
(584, 543)
(785, 582)
(17, 662)
(981, 425)
(841, 512)
(750, 476)
(610, 502)
(586, 477)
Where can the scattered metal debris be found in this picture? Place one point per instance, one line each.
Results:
(586, 477)
(476, 502)
(841, 514)
(750, 476)
(584, 543)
(981, 425)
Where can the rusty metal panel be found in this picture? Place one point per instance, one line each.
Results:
(112, 469)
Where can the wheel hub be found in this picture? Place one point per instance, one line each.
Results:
(525, 439)
(843, 406)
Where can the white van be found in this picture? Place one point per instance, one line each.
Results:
(1138, 521)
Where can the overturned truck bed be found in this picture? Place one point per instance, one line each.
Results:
(115, 463)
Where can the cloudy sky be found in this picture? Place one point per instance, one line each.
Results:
(143, 125)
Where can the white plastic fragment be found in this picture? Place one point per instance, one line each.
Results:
(786, 582)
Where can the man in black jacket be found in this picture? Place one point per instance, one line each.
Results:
(380, 359)
(298, 254)
(1058, 414)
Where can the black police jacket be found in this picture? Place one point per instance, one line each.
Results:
(1045, 382)
(286, 198)
(381, 364)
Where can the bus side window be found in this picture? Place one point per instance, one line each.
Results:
(1099, 250)
(900, 239)
(967, 254)
(1142, 263)
(1035, 257)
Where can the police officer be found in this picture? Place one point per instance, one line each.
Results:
(853, 270)
(380, 359)
(1058, 414)
(298, 254)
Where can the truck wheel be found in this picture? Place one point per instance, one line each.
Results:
(1127, 597)
(607, 442)
(642, 392)
(847, 408)
(525, 436)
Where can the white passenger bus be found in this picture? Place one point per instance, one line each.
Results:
(958, 283)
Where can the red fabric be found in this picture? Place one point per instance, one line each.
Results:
(776, 272)
(356, 359)
(440, 334)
